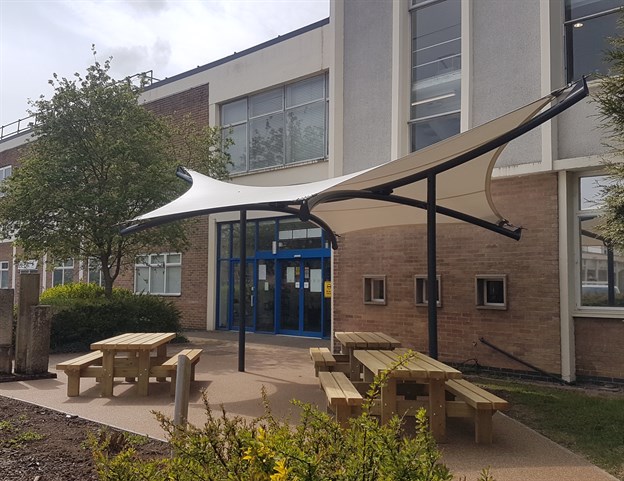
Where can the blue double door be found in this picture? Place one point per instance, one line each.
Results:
(285, 295)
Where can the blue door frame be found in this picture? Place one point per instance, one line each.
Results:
(303, 286)
(317, 314)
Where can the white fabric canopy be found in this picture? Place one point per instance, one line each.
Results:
(462, 166)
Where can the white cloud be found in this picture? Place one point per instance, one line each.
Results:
(39, 37)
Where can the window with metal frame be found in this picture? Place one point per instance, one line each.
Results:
(94, 272)
(158, 274)
(375, 290)
(4, 275)
(491, 291)
(4, 173)
(278, 127)
(436, 71)
(421, 290)
(588, 26)
(601, 267)
(63, 273)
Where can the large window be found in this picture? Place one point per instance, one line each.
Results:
(588, 26)
(436, 71)
(5, 172)
(601, 266)
(4, 275)
(63, 273)
(158, 274)
(94, 272)
(279, 127)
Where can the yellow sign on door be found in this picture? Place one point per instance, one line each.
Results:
(327, 289)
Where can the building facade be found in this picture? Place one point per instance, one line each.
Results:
(370, 84)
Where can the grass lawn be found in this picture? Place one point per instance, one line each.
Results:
(589, 422)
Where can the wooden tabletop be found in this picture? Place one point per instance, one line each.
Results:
(366, 340)
(419, 367)
(134, 341)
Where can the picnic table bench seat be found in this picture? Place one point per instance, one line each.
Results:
(324, 360)
(343, 398)
(87, 365)
(465, 399)
(169, 368)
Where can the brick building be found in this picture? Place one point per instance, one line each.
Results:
(370, 84)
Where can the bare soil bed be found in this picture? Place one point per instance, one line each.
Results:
(45, 445)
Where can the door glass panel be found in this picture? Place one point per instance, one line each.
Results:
(224, 241)
(312, 295)
(251, 239)
(250, 244)
(289, 302)
(294, 234)
(224, 293)
(248, 294)
(266, 235)
(265, 306)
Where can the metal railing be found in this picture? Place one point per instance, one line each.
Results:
(25, 124)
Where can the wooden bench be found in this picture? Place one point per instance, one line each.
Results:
(89, 365)
(169, 368)
(468, 400)
(324, 360)
(342, 396)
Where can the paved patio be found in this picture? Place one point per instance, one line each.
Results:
(281, 364)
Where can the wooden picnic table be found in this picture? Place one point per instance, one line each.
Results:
(139, 347)
(351, 341)
(425, 375)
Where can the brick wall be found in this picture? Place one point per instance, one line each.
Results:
(193, 300)
(192, 102)
(11, 156)
(599, 351)
(529, 328)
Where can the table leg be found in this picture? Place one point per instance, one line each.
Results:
(355, 367)
(437, 409)
(161, 353)
(132, 358)
(108, 366)
(144, 367)
(388, 400)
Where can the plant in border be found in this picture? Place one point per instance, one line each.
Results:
(267, 449)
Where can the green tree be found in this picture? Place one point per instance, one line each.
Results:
(610, 102)
(98, 159)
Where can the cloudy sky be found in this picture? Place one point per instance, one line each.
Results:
(42, 37)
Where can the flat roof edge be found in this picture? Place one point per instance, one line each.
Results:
(216, 63)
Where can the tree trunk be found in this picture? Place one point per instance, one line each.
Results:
(108, 279)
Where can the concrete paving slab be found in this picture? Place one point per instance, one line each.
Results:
(281, 365)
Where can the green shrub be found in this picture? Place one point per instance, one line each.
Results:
(267, 449)
(76, 325)
(76, 294)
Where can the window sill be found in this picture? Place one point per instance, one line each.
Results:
(601, 313)
(157, 295)
(492, 308)
(375, 303)
(234, 175)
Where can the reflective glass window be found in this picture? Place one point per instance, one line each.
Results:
(276, 128)
(436, 72)
(588, 26)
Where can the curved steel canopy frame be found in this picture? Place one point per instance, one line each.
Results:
(384, 192)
